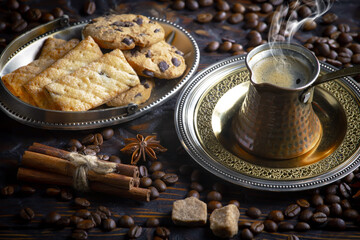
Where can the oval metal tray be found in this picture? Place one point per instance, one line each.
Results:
(208, 103)
(25, 48)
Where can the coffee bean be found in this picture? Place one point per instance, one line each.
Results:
(355, 59)
(251, 16)
(162, 232)
(79, 234)
(85, 224)
(344, 28)
(134, 231)
(305, 215)
(75, 220)
(27, 190)
(276, 215)
(104, 210)
(145, 182)
(225, 46)
(319, 218)
(292, 15)
(344, 188)
(52, 192)
(336, 224)
(292, 210)
(266, 7)
(276, 2)
(238, 8)
(293, 237)
(52, 217)
(355, 48)
(27, 214)
(304, 11)
(344, 38)
(235, 202)
(47, 17)
(7, 190)
(178, 5)
(235, 18)
(350, 214)
(323, 208)
(335, 210)
(192, 5)
(157, 175)
(93, 147)
(63, 222)
(214, 196)
(261, 27)
(253, 212)
(83, 213)
(155, 166)
(154, 193)
(204, 17)
(170, 178)
(257, 227)
(254, 38)
(98, 139)
(152, 222)
(345, 204)
(114, 159)
(285, 227)
(309, 25)
(96, 218)
(196, 186)
(205, 3)
(302, 227)
(303, 203)
(74, 143)
(222, 5)
(33, 15)
(322, 49)
(244, 224)
(332, 198)
(19, 26)
(329, 18)
(220, 16)
(57, 12)
(253, 8)
(334, 62)
(333, 54)
(193, 193)
(159, 185)
(270, 226)
(195, 176)
(212, 205)
(126, 221)
(88, 139)
(108, 224)
(82, 202)
(66, 195)
(89, 7)
(329, 30)
(317, 200)
(246, 234)
(15, 16)
(211, 47)
(12, 4)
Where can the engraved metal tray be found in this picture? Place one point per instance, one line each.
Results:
(25, 49)
(208, 103)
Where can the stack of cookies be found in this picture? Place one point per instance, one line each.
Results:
(77, 76)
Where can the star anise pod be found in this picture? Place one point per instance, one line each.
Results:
(141, 147)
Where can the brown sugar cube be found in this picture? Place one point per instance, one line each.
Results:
(224, 221)
(189, 212)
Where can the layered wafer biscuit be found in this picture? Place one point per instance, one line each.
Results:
(15, 80)
(93, 85)
(49, 45)
(84, 53)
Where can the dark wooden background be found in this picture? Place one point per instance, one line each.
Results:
(15, 138)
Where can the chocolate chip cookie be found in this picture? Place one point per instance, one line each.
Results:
(124, 31)
(160, 60)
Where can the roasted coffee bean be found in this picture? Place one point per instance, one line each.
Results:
(154, 193)
(329, 30)
(162, 232)
(322, 49)
(15, 16)
(302, 227)
(192, 5)
(333, 54)
(155, 166)
(47, 17)
(309, 25)
(355, 48)
(57, 12)
(293, 237)
(344, 57)
(75, 220)
(285, 227)
(85, 224)
(66, 195)
(222, 5)
(319, 218)
(170, 178)
(126, 221)
(253, 212)
(236, 48)
(332, 198)
(93, 147)
(304, 11)
(27, 214)
(355, 59)
(27, 190)
(135, 231)
(292, 15)
(309, 46)
(276, 2)
(12, 4)
(159, 185)
(178, 5)
(305, 215)
(89, 7)
(257, 227)
(266, 7)
(83, 213)
(238, 8)
(74, 143)
(79, 234)
(152, 222)
(336, 224)
(98, 139)
(344, 188)
(210, 47)
(214, 196)
(145, 182)
(225, 46)
(220, 16)
(235, 18)
(329, 18)
(104, 210)
(196, 186)
(334, 62)
(157, 175)
(344, 38)
(317, 200)
(244, 224)
(193, 193)
(235, 202)
(246, 234)
(33, 15)
(19, 26)
(335, 35)
(261, 27)
(253, 8)
(108, 224)
(205, 3)
(303, 203)
(350, 214)
(88, 139)
(52, 217)
(82, 202)
(270, 226)
(96, 218)
(345, 204)
(195, 176)
(275, 215)
(107, 133)
(114, 159)
(323, 208)
(63, 222)
(344, 28)
(53, 192)
(254, 38)
(292, 210)
(7, 190)
(251, 16)
(204, 17)
(212, 205)
(335, 210)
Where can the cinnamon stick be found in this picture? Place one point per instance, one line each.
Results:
(123, 169)
(60, 166)
(36, 176)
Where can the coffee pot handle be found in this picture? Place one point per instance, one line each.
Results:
(351, 71)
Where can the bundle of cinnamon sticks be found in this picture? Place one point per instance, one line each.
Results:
(48, 165)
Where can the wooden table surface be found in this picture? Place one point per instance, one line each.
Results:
(15, 138)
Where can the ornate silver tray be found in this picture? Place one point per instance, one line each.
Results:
(25, 48)
(205, 109)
